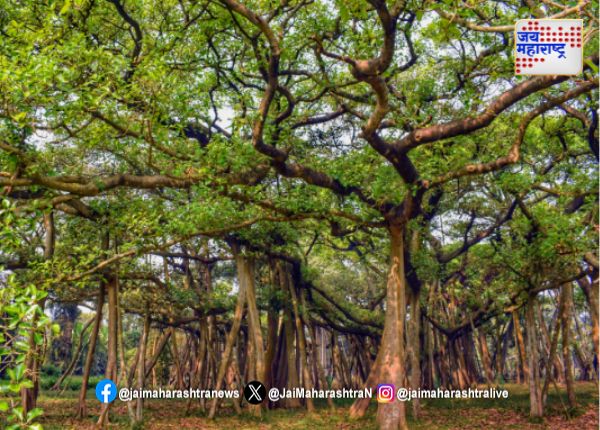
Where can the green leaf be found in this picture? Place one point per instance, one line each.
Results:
(34, 413)
(66, 7)
(55, 329)
(19, 371)
(18, 412)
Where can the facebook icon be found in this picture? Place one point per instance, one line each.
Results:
(106, 391)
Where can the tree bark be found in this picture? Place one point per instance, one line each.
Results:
(315, 354)
(567, 299)
(111, 362)
(75, 357)
(590, 290)
(536, 408)
(523, 367)
(89, 359)
(415, 349)
(485, 357)
(306, 377)
(389, 364)
(245, 271)
(231, 337)
(162, 342)
(141, 371)
(290, 339)
(552, 361)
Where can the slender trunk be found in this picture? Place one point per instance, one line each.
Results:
(485, 357)
(523, 367)
(280, 368)
(535, 395)
(432, 380)
(122, 366)
(320, 374)
(501, 350)
(236, 372)
(458, 353)
(584, 360)
(271, 347)
(32, 361)
(176, 358)
(141, 371)
(154, 345)
(272, 325)
(231, 337)
(306, 378)
(552, 361)
(159, 347)
(338, 370)
(75, 358)
(197, 379)
(111, 362)
(567, 299)
(590, 290)
(346, 371)
(442, 361)
(133, 368)
(89, 359)
(290, 339)
(389, 364)
(415, 349)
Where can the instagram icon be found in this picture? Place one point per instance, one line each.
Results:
(385, 393)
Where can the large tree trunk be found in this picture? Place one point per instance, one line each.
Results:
(389, 364)
(112, 290)
(246, 277)
(89, 359)
(535, 395)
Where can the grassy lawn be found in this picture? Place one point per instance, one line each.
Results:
(511, 413)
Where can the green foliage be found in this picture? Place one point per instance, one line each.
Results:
(22, 327)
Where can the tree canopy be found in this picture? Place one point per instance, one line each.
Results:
(373, 169)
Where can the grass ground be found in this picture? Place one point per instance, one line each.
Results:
(511, 413)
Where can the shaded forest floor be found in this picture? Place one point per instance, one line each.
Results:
(511, 413)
